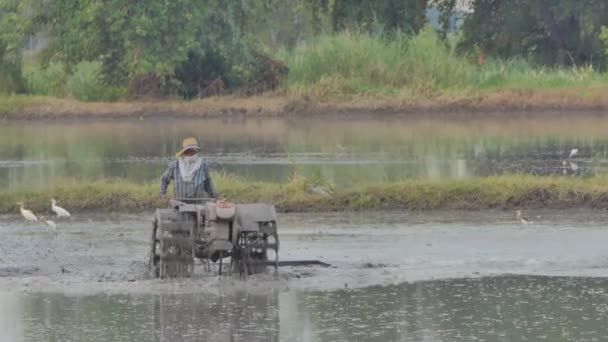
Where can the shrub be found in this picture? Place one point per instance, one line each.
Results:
(85, 83)
(46, 81)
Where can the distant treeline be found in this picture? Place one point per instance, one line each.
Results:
(108, 49)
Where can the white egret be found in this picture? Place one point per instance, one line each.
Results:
(573, 152)
(320, 191)
(50, 224)
(27, 214)
(521, 218)
(59, 210)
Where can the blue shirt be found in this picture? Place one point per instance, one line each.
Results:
(201, 185)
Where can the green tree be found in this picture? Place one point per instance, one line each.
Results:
(13, 32)
(379, 15)
(132, 39)
(232, 37)
(604, 39)
(562, 32)
(155, 45)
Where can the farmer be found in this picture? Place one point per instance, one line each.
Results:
(190, 174)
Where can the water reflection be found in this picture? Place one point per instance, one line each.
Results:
(508, 308)
(240, 316)
(491, 309)
(345, 152)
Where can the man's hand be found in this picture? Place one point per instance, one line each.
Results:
(164, 198)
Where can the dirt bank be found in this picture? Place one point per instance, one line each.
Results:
(529, 102)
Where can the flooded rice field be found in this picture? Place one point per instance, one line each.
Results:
(395, 276)
(344, 152)
(537, 309)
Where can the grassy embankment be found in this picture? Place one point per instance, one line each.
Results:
(359, 72)
(508, 191)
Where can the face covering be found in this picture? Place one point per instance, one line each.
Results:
(188, 165)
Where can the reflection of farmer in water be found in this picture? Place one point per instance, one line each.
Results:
(190, 174)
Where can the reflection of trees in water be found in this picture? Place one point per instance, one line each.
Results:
(375, 313)
(513, 308)
(424, 148)
(523, 308)
(56, 317)
(238, 316)
(509, 308)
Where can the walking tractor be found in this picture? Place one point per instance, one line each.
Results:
(211, 231)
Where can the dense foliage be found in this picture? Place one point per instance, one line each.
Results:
(13, 30)
(104, 49)
(561, 32)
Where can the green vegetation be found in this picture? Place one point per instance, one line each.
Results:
(13, 29)
(358, 63)
(555, 32)
(520, 74)
(11, 103)
(49, 80)
(85, 84)
(509, 191)
(316, 48)
(352, 64)
(604, 39)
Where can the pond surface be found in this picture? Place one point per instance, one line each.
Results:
(343, 151)
(505, 308)
(395, 276)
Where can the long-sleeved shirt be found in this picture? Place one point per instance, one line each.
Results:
(201, 185)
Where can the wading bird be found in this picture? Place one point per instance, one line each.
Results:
(573, 166)
(59, 210)
(50, 224)
(521, 218)
(567, 164)
(573, 152)
(27, 214)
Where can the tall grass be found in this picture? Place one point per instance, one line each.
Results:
(517, 73)
(507, 191)
(352, 63)
(359, 63)
(11, 103)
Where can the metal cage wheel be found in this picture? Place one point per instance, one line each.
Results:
(154, 258)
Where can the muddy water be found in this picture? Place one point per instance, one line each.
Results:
(342, 151)
(508, 308)
(408, 276)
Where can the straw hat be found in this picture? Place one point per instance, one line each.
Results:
(188, 144)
